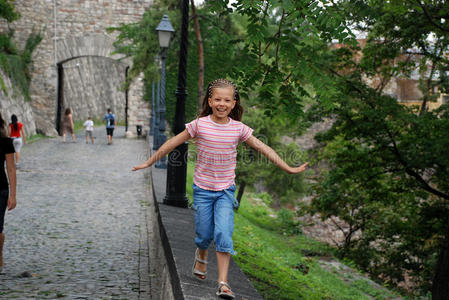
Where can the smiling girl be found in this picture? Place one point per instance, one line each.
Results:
(218, 130)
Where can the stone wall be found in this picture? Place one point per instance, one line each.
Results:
(77, 33)
(87, 93)
(139, 111)
(13, 102)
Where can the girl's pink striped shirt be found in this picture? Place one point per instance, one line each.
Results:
(216, 151)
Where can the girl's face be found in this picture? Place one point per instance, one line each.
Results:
(222, 102)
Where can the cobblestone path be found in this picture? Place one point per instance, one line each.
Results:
(79, 229)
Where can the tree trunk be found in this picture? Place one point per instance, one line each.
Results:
(241, 191)
(199, 40)
(440, 285)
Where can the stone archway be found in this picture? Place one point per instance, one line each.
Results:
(90, 78)
(85, 45)
(70, 30)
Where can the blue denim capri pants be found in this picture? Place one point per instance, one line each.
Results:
(214, 218)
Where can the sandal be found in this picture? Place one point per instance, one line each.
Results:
(197, 273)
(225, 294)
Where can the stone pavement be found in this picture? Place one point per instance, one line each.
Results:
(80, 227)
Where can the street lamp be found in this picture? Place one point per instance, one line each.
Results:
(177, 159)
(152, 118)
(164, 31)
(154, 103)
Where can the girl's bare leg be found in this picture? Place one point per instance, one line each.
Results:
(202, 254)
(17, 154)
(223, 259)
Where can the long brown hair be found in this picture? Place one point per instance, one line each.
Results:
(236, 113)
(14, 121)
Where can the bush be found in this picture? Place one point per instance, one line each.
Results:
(287, 223)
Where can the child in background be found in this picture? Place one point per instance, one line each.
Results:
(89, 125)
(218, 131)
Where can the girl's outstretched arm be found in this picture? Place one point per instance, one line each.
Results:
(165, 149)
(274, 157)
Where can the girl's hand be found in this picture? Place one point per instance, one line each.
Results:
(12, 203)
(139, 167)
(299, 169)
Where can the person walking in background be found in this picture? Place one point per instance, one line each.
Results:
(218, 130)
(109, 118)
(17, 133)
(67, 125)
(7, 184)
(89, 125)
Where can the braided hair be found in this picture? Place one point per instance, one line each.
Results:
(237, 111)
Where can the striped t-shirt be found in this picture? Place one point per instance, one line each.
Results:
(216, 151)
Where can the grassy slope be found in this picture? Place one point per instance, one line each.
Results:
(275, 263)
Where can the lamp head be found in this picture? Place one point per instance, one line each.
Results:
(164, 31)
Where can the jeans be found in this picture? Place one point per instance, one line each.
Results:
(214, 218)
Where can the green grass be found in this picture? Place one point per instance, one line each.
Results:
(36, 137)
(275, 262)
(78, 124)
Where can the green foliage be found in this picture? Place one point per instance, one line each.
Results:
(266, 198)
(288, 224)
(36, 137)
(139, 41)
(278, 266)
(7, 11)
(388, 162)
(284, 266)
(253, 167)
(16, 64)
(7, 45)
(286, 46)
(3, 86)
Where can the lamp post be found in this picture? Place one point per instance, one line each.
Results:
(177, 159)
(152, 119)
(164, 31)
(155, 103)
(156, 116)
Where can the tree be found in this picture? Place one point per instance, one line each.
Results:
(139, 41)
(388, 162)
(253, 167)
(7, 11)
(199, 40)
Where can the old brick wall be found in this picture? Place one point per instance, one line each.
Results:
(78, 40)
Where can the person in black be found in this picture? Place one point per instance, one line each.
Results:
(7, 184)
